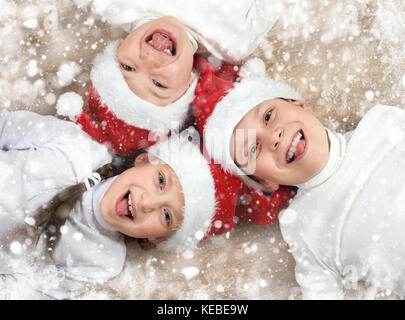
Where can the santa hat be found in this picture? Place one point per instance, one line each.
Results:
(219, 105)
(118, 117)
(210, 194)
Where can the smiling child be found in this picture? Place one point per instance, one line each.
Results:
(142, 85)
(65, 207)
(345, 225)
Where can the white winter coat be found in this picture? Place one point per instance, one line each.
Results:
(40, 156)
(346, 225)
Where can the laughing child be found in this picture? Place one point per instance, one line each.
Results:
(345, 225)
(63, 222)
(142, 85)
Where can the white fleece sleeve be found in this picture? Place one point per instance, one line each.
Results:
(229, 31)
(18, 287)
(29, 131)
(316, 279)
(39, 156)
(317, 282)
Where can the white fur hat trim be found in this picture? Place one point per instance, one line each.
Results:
(109, 82)
(253, 68)
(194, 174)
(229, 112)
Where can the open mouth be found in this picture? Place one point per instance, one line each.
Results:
(163, 41)
(125, 207)
(297, 147)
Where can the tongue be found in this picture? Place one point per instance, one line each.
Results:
(161, 43)
(122, 207)
(300, 148)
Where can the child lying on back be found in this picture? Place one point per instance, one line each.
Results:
(142, 85)
(345, 225)
(65, 206)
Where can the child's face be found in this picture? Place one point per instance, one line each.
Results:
(156, 60)
(145, 201)
(290, 144)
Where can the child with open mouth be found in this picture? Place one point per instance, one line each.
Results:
(142, 85)
(63, 220)
(345, 224)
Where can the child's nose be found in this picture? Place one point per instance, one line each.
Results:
(149, 58)
(148, 202)
(276, 138)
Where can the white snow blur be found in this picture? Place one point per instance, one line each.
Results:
(343, 56)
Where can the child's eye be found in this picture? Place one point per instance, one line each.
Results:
(158, 84)
(253, 150)
(126, 67)
(167, 218)
(267, 116)
(161, 181)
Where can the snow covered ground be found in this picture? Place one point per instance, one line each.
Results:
(343, 56)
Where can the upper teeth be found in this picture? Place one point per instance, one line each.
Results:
(293, 147)
(130, 205)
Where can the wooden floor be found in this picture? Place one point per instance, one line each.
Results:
(343, 56)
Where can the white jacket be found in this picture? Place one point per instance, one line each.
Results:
(40, 156)
(346, 225)
(229, 30)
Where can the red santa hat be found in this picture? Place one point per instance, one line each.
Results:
(210, 194)
(118, 117)
(219, 105)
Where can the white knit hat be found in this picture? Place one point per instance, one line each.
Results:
(210, 194)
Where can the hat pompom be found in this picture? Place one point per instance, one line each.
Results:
(69, 104)
(253, 68)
